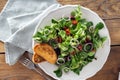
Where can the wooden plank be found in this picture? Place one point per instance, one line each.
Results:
(19, 72)
(16, 72)
(2, 3)
(1, 47)
(114, 29)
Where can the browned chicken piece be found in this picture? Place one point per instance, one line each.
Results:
(46, 52)
(37, 59)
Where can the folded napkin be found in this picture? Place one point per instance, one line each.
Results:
(18, 21)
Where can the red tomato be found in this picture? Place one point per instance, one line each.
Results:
(67, 31)
(74, 22)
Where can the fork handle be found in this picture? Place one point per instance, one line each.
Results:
(43, 74)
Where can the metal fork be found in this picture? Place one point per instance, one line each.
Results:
(29, 64)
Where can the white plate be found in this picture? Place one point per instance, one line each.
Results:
(101, 55)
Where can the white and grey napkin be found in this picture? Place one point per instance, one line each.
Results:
(18, 20)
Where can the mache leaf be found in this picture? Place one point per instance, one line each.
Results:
(54, 21)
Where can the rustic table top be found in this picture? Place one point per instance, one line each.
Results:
(109, 10)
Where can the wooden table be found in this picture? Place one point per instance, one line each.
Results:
(109, 10)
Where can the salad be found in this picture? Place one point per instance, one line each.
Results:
(74, 40)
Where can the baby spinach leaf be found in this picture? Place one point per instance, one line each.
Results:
(99, 26)
(58, 72)
(89, 24)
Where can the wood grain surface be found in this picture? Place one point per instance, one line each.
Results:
(109, 11)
